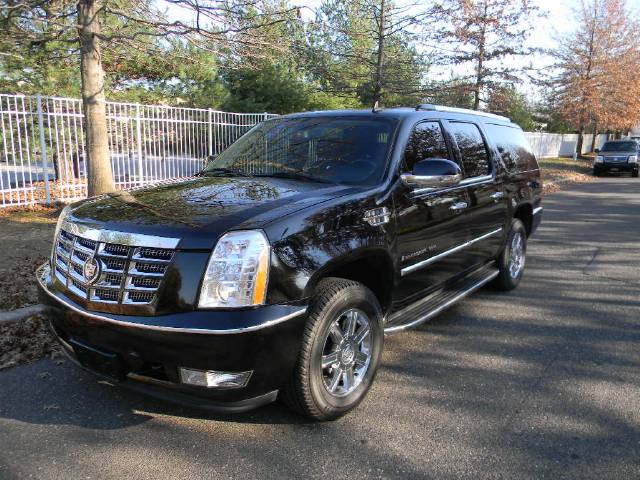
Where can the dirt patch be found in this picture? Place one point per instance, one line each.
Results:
(26, 341)
(18, 287)
(558, 172)
(26, 236)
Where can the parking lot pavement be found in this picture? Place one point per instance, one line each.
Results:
(543, 382)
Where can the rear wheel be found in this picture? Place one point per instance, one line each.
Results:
(511, 260)
(341, 350)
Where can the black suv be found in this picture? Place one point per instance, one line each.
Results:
(280, 267)
(617, 156)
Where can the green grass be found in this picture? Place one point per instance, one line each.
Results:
(565, 164)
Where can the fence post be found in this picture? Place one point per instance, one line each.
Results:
(139, 135)
(210, 131)
(43, 150)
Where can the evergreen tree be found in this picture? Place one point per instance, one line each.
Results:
(483, 34)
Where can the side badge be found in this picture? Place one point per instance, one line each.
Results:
(377, 216)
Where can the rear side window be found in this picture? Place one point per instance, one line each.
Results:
(514, 149)
(475, 156)
(426, 141)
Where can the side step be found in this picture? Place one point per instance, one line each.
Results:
(430, 306)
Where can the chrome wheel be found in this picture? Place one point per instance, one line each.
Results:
(517, 257)
(346, 355)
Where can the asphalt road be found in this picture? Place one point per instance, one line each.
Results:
(543, 382)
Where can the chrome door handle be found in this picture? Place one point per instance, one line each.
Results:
(456, 207)
(497, 195)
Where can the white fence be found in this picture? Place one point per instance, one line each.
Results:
(560, 144)
(42, 155)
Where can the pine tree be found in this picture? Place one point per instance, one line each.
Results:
(483, 34)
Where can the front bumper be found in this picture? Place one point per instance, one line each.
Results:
(537, 219)
(144, 353)
(615, 167)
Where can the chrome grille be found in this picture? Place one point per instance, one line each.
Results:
(615, 159)
(128, 274)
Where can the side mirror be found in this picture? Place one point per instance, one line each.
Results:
(596, 150)
(433, 173)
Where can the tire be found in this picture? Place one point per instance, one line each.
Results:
(596, 173)
(510, 273)
(308, 390)
(635, 173)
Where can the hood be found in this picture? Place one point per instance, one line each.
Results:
(199, 210)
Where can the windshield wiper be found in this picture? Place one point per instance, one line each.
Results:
(294, 176)
(222, 172)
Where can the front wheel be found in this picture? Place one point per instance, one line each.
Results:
(511, 260)
(341, 350)
(635, 173)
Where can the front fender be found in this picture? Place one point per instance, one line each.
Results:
(313, 245)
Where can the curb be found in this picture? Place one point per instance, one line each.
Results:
(20, 313)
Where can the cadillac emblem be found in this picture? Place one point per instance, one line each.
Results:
(91, 269)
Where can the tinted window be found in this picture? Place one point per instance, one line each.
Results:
(350, 150)
(475, 157)
(427, 141)
(514, 149)
(619, 147)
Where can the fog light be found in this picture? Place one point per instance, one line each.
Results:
(212, 379)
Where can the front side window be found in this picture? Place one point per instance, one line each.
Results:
(426, 141)
(475, 156)
(350, 150)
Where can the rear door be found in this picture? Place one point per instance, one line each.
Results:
(487, 210)
(430, 223)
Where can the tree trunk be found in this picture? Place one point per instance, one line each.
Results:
(595, 135)
(477, 88)
(580, 142)
(98, 163)
(377, 92)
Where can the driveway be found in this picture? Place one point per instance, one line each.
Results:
(543, 382)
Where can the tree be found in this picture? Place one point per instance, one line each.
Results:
(483, 34)
(266, 89)
(364, 49)
(453, 92)
(594, 87)
(135, 26)
(506, 100)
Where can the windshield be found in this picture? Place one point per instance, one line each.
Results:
(619, 147)
(351, 150)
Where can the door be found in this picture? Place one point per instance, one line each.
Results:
(430, 223)
(487, 209)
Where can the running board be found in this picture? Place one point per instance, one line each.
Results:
(428, 307)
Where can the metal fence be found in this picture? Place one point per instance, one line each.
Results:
(43, 159)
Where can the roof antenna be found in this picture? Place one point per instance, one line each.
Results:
(376, 108)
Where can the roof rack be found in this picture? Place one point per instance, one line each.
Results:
(441, 108)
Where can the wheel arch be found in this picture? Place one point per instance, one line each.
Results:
(524, 213)
(373, 268)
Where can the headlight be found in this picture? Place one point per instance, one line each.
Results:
(237, 272)
(632, 159)
(599, 159)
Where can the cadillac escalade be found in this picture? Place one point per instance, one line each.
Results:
(279, 268)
